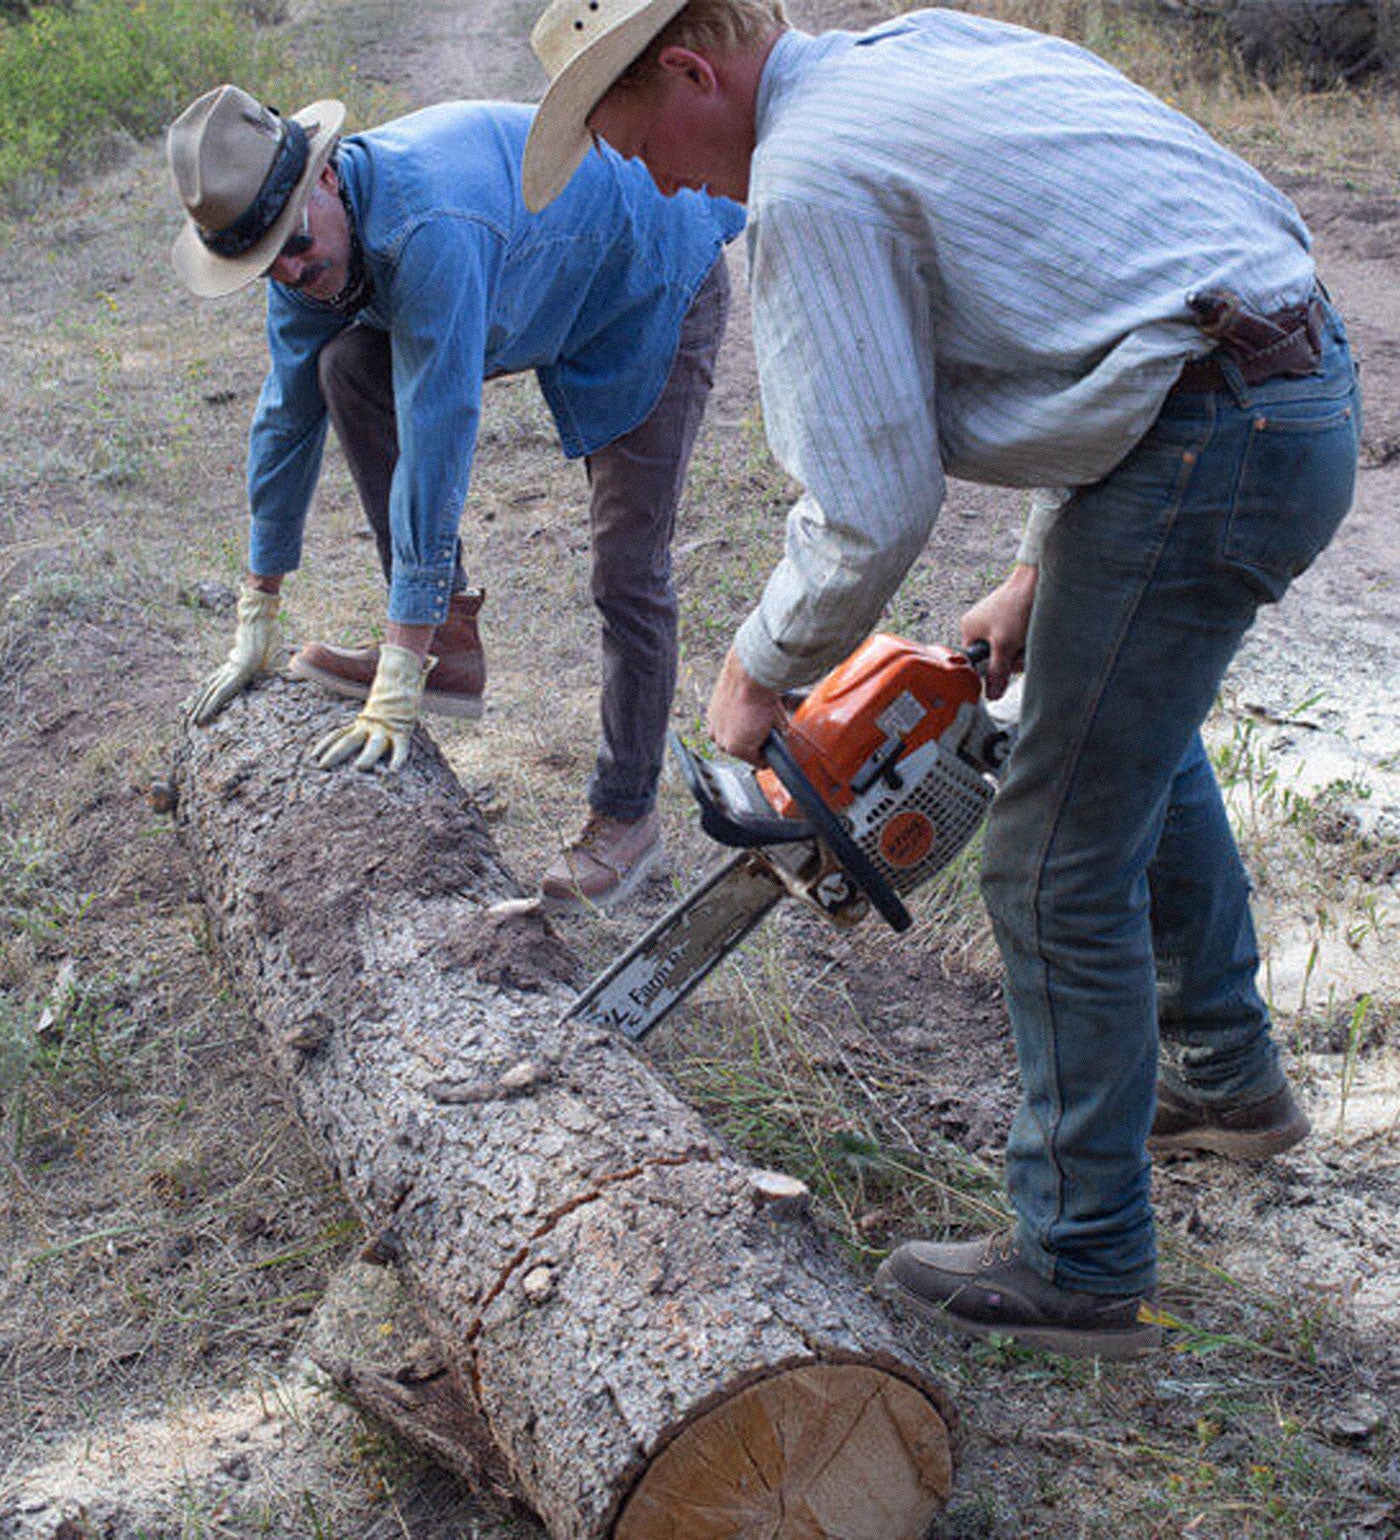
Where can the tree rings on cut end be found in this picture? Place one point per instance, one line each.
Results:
(821, 1452)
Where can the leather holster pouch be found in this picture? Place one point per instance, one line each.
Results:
(1287, 342)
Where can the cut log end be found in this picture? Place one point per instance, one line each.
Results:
(821, 1450)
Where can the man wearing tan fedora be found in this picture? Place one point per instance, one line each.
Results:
(404, 270)
(976, 250)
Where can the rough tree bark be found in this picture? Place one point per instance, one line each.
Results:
(631, 1334)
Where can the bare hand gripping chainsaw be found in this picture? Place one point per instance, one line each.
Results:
(883, 774)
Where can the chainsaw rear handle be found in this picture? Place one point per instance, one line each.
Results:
(829, 829)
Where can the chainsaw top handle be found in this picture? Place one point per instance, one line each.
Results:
(832, 832)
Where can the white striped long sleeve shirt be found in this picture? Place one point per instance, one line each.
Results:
(970, 250)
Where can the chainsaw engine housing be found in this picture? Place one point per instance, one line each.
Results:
(897, 741)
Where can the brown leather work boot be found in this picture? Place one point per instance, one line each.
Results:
(985, 1289)
(1253, 1132)
(604, 864)
(455, 687)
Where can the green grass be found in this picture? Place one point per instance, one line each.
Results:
(73, 80)
(69, 79)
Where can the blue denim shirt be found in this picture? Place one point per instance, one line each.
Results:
(590, 294)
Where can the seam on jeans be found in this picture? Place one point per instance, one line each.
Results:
(1185, 475)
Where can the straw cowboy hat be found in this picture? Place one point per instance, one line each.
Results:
(584, 46)
(243, 174)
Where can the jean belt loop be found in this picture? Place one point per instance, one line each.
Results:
(1234, 379)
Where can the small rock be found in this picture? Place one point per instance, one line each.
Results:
(520, 1077)
(237, 1468)
(492, 803)
(1355, 1419)
(310, 1036)
(382, 1250)
(205, 595)
(162, 796)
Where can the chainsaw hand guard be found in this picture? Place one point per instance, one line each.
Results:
(733, 811)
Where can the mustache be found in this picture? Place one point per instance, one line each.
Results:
(309, 275)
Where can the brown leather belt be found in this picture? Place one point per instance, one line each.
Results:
(1262, 347)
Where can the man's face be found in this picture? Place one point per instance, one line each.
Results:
(680, 125)
(321, 268)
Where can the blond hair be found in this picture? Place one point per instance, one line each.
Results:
(711, 27)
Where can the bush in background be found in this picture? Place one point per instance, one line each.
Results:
(73, 76)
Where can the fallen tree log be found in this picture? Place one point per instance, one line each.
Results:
(638, 1339)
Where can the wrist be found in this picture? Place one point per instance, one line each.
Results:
(262, 584)
(415, 639)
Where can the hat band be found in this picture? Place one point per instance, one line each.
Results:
(265, 210)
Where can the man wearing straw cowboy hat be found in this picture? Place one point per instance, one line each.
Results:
(978, 250)
(405, 270)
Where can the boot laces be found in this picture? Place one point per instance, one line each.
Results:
(1001, 1247)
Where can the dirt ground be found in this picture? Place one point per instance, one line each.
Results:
(169, 1238)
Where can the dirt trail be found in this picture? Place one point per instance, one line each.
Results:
(166, 1233)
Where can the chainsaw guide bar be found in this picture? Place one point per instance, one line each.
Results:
(661, 969)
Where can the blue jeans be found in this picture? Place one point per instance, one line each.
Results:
(1115, 889)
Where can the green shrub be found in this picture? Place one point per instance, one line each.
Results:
(71, 77)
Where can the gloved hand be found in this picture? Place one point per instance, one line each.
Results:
(255, 645)
(385, 725)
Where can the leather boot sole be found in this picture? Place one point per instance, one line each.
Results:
(1073, 1342)
(464, 707)
(1254, 1132)
(1234, 1144)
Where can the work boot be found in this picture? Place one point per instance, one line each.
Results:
(454, 687)
(1251, 1132)
(604, 864)
(984, 1288)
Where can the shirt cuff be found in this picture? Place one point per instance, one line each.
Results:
(764, 662)
(1046, 503)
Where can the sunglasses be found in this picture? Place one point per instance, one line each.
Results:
(301, 241)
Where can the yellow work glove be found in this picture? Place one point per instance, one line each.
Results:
(386, 723)
(255, 645)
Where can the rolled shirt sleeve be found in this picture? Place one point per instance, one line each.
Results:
(1046, 503)
(436, 302)
(843, 333)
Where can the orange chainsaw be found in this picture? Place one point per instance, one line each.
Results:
(882, 775)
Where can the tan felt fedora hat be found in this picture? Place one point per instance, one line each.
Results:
(584, 46)
(243, 174)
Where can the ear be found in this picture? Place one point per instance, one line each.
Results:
(685, 64)
(328, 179)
